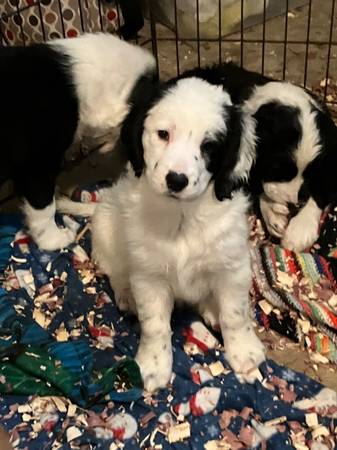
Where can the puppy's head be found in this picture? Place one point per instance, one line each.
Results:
(183, 135)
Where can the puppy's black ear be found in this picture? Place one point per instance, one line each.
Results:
(237, 155)
(141, 99)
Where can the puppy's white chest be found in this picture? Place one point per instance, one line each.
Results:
(188, 267)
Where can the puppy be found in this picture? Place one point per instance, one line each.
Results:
(296, 151)
(53, 95)
(166, 231)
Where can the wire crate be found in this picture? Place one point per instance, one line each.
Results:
(289, 39)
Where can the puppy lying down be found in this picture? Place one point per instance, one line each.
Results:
(166, 231)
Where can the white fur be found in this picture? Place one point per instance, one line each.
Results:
(67, 206)
(187, 128)
(299, 234)
(302, 230)
(43, 229)
(159, 249)
(104, 69)
(156, 248)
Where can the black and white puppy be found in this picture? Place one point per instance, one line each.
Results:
(165, 231)
(54, 94)
(296, 151)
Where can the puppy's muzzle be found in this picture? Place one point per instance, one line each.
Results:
(176, 182)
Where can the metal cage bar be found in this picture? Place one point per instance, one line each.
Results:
(263, 35)
(198, 31)
(329, 49)
(236, 44)
(307, 46)
(241, 34)
(220, 41)
(176, 35)
(61, 18)
(154, 40)
(285, 41)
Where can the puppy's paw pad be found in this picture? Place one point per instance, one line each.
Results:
(155, 367)
(244, 351)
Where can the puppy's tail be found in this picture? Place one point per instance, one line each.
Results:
(66, 206)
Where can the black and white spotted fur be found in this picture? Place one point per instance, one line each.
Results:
(296, 151)
(52, 95)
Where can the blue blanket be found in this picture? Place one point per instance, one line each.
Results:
(68, 379)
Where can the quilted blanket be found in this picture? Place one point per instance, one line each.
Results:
(68, 378)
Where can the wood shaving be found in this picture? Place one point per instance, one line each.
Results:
(24, 409)
(217, 445)
(73, 433)
(320, 431)
(284, 279)
(60, 404)
(61, 334)
(324, 82)
(86, 228)
(80, 253)
(333, 301)
(71, 410)
(217, 368)
(41, 318)
(37, 427)
(311, 420)
(318, 358)
(179, 432)
(266, 307)
(26, 417)
(276, 421)
(305, 325)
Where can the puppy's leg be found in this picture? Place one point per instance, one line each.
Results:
(109, 249)
(154, 307)
(302, 231)
(39, 209)
(244, 351)
(275, 216)
(209, 311)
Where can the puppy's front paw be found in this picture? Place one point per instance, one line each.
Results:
(301, 233)
(275, 216)
(244, 351)
(155, 362)
(55, 238)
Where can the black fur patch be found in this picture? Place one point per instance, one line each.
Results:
(320, 174)
(144, 94)
(278, 132)
(236, 81)
(38, 118)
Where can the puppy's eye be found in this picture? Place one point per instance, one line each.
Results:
(163, 135)
(208, 147)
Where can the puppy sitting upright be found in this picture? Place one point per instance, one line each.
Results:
(54, 94)
(166, 232)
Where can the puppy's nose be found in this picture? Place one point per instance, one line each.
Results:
(176, 182)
